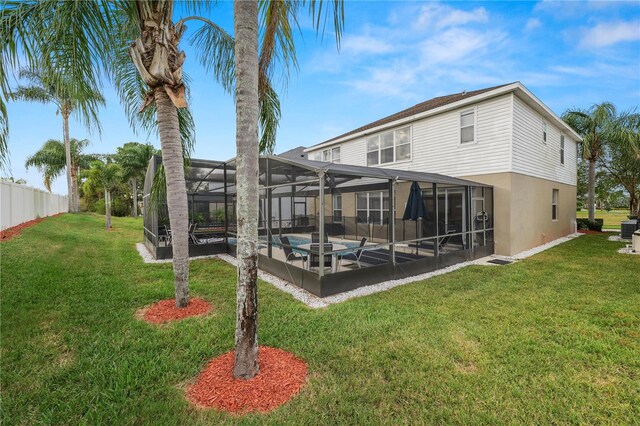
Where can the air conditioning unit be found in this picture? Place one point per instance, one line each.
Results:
(635, 241)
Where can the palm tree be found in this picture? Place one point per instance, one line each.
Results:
(107, 175)
(594, 125)
(249, 67)
(44, 91)
(81, 39)
(50, 159)
(133, 158)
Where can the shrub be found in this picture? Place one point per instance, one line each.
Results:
(584, 224)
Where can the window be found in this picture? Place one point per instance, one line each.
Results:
(389, 147)
(331, 155)
(467, 126)
(372, 207)
(544, 131)
(561, 149)
(337, 207)
(554, 205)
(315, 156)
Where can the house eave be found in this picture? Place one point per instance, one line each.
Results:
(518, 88)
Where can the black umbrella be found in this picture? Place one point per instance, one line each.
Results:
(415, 208)
(415, 205)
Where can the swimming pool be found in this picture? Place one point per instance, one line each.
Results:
(296, 241)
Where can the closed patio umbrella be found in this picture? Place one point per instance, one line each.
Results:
(415, 208)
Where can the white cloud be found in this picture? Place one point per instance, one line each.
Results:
(532, 24)
(437, 16)
(365, 44)
(610, 33)
(457, 44)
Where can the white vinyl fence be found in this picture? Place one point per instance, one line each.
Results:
(21, 203)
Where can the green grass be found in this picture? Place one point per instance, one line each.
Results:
(611, 218)
(552, 339)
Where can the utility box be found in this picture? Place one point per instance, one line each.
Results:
(627, 228)
(635, 242)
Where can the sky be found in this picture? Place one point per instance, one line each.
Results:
(392, 56)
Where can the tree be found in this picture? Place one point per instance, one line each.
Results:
(50, 159)
(44, 91)
(620, 159)
(249, 67)
(14, 180)
(133, 158)
(79, 40)
(245, 19)
(107, 175)
(593, 125)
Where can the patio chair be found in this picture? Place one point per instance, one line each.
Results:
(315, 237)
(354, 256)
(164, 235)
(289, 254)
(314, 257)
(445, 240)
(192, 236)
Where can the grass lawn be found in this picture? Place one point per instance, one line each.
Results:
(611, 218)
(552, 339)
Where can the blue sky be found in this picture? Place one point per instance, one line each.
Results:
(393, 55)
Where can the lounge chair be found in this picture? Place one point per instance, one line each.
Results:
(289, 254)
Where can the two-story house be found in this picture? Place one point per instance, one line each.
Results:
(501, 136)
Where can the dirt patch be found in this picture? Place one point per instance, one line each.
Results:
(166, 310)
(281, 376)
(10, 233)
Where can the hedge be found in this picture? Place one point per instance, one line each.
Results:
(584, 224)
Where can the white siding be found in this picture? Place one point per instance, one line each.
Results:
(436, 144)
(533, 157)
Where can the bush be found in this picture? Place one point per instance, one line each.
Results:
(584, 224)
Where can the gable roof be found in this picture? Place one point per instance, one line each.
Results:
(297, 152)
(443, 103)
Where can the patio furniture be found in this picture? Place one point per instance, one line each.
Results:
(314, 257)
(192, 236)
(327, 247)
(164, 235)
(315, 237)
(289, 254)
(445, 240)
(357, 255)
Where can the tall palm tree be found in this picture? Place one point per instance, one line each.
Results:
(249, 67)
(594, 125)
(42, 90)
(107, 175)
(50, 159)
(133, 158)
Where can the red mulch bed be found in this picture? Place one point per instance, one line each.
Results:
(281, 376)
(9, 233)
(588, 231)
(166, 310)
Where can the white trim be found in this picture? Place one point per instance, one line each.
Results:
(474, 110)
(517, 88)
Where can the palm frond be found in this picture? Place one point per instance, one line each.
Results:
(214, 49)
(269, 119)
(34, 94)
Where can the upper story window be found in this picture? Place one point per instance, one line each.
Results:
(315, 156)
(389, 147)
(468, 126)
(561, 149)
(331, 155)
(544, 131)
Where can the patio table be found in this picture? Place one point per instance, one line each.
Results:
(334, 256)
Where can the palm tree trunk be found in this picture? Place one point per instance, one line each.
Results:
(246, 47)
(134, 188)
(67, 151)
(591, 194)
(107, 206)
(177, 203)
